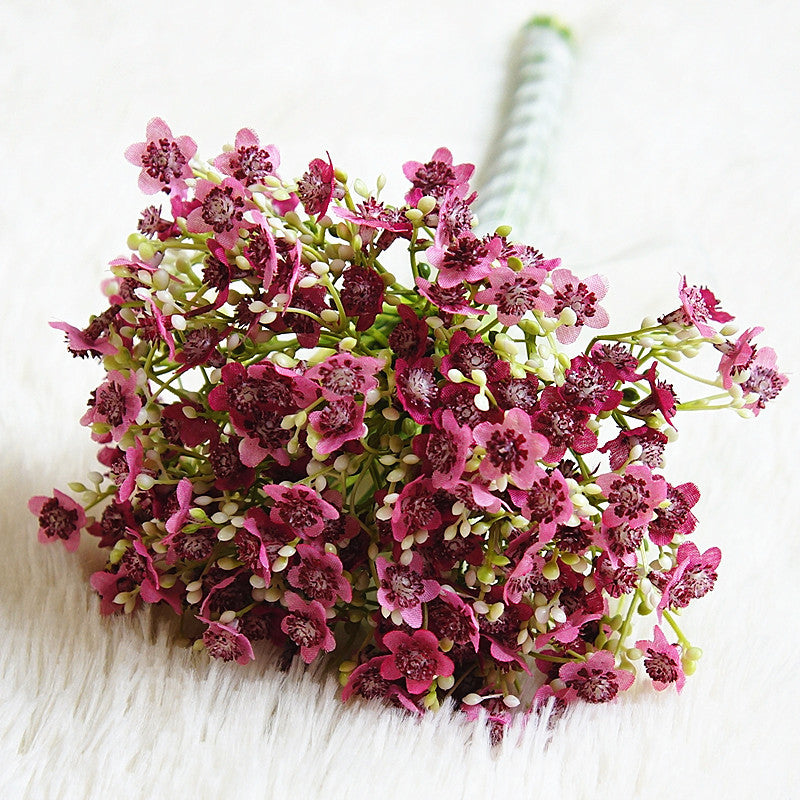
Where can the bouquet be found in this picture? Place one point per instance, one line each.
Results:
(430, 484)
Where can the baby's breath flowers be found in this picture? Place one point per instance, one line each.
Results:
(417, 482)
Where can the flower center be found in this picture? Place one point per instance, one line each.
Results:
(163, 160)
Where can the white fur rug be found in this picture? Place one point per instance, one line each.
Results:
(678, 153)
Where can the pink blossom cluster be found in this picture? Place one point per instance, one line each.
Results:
(298, 448)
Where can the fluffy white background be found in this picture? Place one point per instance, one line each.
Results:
(678, 153)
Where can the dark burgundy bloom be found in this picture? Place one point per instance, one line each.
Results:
(563, 425)
(417, 389)
(662, 398)
(677, 518)
(409, 339)
(361, 295)
(316, 188)
(651, 444)
(591, 385)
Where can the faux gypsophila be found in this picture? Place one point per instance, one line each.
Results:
(414, 481)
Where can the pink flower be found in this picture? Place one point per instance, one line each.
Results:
(114, 403)
(677, 518)
(415, 509)
(632, 497)
(248, 162)
(299, 507)
(316, 188)
(319, 576)
(183, 494)
(649, 440)
(736, 356)
(512, 449)
(344, 375)
(338, 422)
(662, 661)
(93, 339)
(563, 424)
(580, 296)
(450, 301)
(591, 385)
(445, 450)
(164, 159)
(596, 680)
(221, 210)
(698, 306)
(466, 258)
(618, 357)
(662, 398)
(224, 641)
(402, 588)
(764, 381)
(134, 458)
(366, 681)
(516, 293)
(306, 625)
(468, 353)
(694, 576)
(547, 503)
(437, 177)
(449, 617)
(416, 658)
(60, 519)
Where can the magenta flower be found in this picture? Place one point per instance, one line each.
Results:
(596, 680)
(651, 441)
(451, 301)
(409, 339)
(632, 497)
(415, 509)
(694, 576)
(361, 295)
(516, 293)
(92, 340)
(512, 449)
(183, 494)
(764, 381)
(445, 451)
(417, 389)
(547, 503)
(618, 357)
(662, 398)
(437, 177)
(60, 519)
(164, 159)
(466, 258)
(591, 385)
(698, 306)
(299, 507)
(736, 356)
(403, 588)
(108, 585)
(344, 375)
(338, 422)
(455, 217)
(319, 576)
(248, 162)
(563, 425)
(416, 658)
(178, 428)
(221, 210)
(677, 518)
(449, 617)
(582, 297)
(226, 642)
(662, 661)
(468, 353)
(114, 403)
(134, 458)
(306, 625)
(366, 681)
(316, 188)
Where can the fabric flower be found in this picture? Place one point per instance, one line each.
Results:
(582, 298)
(417, 658)
(597, 680)
(662, 661)
(115, 404)
(306, 625)
(60, 519)
(163, 158)
(403, 588)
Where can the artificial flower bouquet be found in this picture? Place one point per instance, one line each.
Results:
(430, 484)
